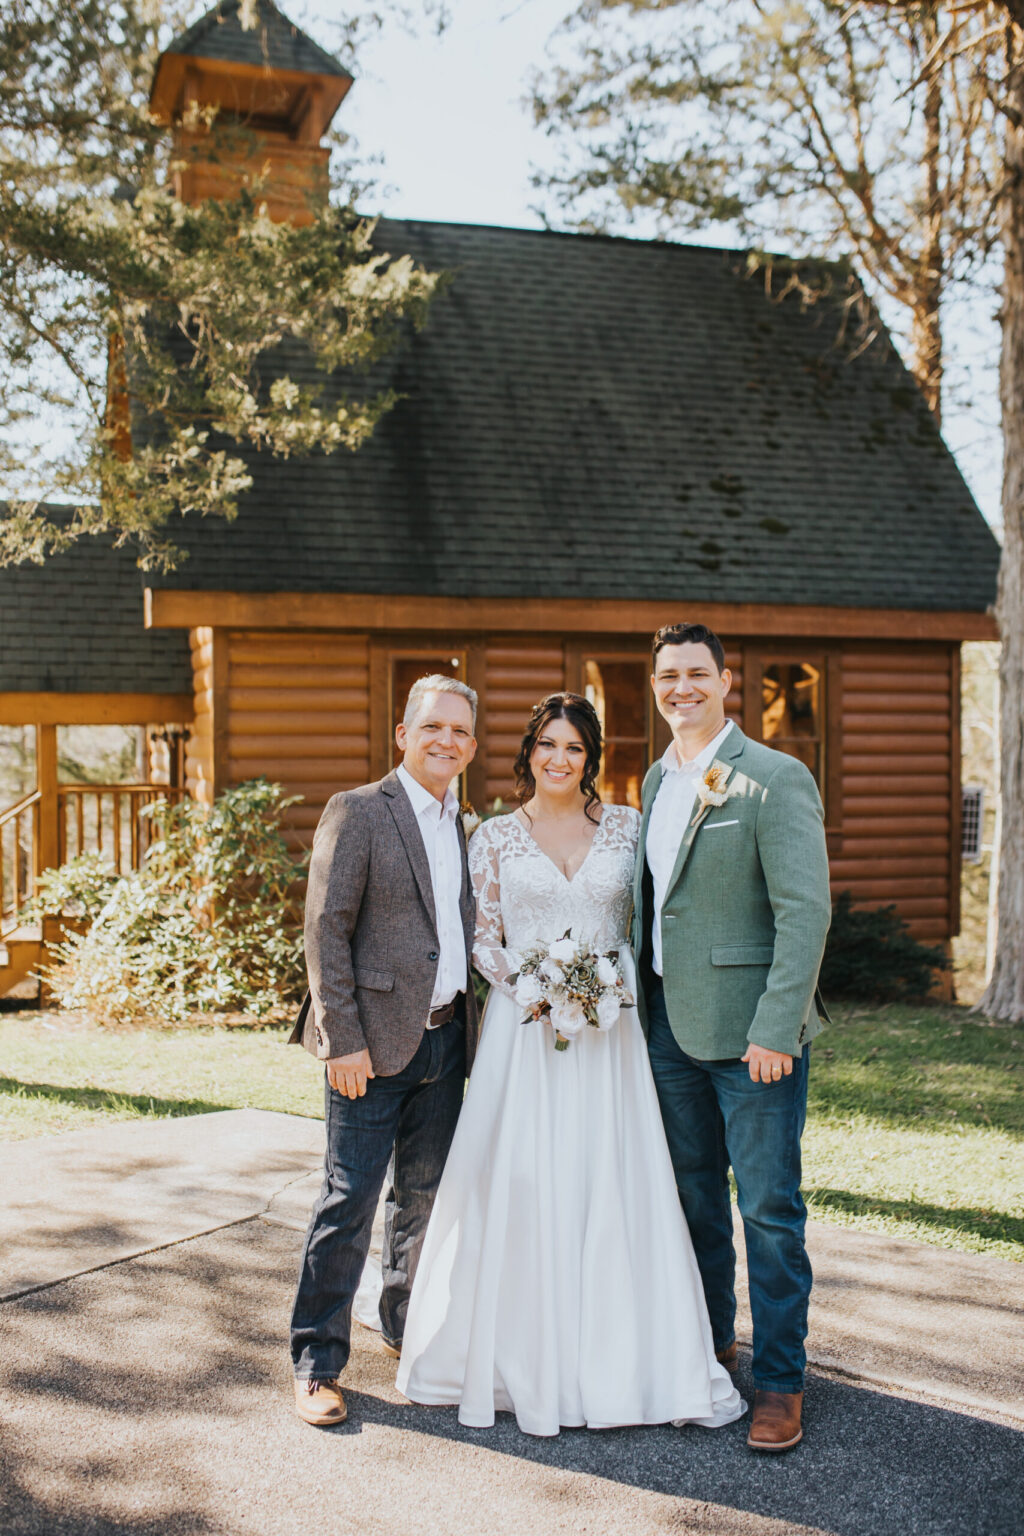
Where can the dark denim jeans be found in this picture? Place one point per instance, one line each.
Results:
(402, 1128)
(715, 1116)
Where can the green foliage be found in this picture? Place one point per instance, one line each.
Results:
(871, 955)
(79, 889)
(207, 925)
(95, 252)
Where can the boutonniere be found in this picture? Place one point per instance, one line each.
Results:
(711, 789)
(470, 819)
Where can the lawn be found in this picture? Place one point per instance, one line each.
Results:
(915, 1124)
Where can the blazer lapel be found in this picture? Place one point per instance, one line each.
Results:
(466, 902)
(408, 830)
(731, 749)
(641, 847)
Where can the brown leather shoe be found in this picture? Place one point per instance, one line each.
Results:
(729, 1357)
(394, 1350)
(776, 1425)
(320, 1402)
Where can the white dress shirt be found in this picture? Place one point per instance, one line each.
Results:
(670, 816)
(444, 855)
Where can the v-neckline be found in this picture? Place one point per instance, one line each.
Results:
(569, 879)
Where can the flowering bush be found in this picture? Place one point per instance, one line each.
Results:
(209, 924)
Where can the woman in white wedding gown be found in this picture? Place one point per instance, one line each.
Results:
(557, 1278)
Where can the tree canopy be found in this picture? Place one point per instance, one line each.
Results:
(103, 274)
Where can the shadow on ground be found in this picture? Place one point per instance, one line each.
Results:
(154, 1398)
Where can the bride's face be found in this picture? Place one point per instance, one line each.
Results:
(558, 759)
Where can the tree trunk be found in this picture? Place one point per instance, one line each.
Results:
(926, 325)
(1004, 998)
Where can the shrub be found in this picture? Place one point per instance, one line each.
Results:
(209, 924)
(871, 955)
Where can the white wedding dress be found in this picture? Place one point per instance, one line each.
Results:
(557, 1278)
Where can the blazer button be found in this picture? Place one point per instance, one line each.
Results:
(433, 955)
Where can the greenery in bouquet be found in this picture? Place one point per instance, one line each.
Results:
(571, 985)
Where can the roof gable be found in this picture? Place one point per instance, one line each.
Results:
(275, 43)
(615, 418)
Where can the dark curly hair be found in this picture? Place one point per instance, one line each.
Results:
(582, 716)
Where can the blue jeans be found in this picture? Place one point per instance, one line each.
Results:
(401, 1129)
(715, 1116)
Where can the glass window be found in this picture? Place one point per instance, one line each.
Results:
(619, 691)
(792, 712)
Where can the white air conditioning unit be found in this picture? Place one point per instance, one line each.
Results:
(972, 822)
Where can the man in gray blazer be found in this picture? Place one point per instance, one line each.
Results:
(731, 908)
(392, 1015)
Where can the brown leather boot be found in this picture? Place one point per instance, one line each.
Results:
(776, 1425)
(729, 1357)
(320, 1402)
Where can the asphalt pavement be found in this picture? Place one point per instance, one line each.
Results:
(146, 1272)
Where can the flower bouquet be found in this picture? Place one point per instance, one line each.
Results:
(570, 985)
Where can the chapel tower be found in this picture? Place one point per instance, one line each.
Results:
(249, 106)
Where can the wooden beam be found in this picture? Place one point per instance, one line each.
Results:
(95, 708)
(169, 609)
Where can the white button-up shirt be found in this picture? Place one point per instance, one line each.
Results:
(670, 816)
(444, 855)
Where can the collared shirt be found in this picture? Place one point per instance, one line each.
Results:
(444, 855)
(670, 817)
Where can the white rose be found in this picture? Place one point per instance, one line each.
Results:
(552, 971)
(528, 991)
(607, 972)
(564, 949)
(568, 1018)
(608, 1008)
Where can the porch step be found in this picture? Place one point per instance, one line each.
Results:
(21, 951)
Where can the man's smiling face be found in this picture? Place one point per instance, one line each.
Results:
(690, 691)
(439, 743)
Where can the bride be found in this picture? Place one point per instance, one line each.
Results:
(557, 1278)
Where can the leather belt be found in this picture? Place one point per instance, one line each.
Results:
(440, 1016)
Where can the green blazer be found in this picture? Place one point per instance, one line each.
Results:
(745, 916)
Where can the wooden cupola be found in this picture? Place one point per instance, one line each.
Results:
(248, 103)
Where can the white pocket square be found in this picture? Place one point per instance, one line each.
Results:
(709, 824)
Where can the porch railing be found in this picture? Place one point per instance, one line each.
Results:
(19, 858)
(90, 818)
(107, 819)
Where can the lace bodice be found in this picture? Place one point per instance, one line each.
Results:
(522, 896)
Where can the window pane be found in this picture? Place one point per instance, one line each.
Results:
(791, 711)
(618, 692)
(623, 769)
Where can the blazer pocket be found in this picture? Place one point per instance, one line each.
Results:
(742, 954)
(375, 981)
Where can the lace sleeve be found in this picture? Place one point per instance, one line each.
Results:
(490, 956)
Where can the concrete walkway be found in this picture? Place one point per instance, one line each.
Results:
(147, 1271)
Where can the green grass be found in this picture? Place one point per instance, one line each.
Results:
(915, 1123)
(57, 1074)
(916, 1127)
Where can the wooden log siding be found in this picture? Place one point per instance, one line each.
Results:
(297, 710)
(900, 773)
(199, 757)
(518, 674)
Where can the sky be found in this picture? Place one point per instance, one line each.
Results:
(446, 116)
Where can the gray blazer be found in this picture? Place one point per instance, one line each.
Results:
(371, 938)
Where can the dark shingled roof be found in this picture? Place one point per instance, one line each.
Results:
(74, 625)
(615, 418)
(276, 42)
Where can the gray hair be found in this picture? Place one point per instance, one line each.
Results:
(437, 683)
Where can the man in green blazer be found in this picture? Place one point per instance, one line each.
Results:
(731, 909)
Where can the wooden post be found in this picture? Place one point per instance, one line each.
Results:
(48, 850)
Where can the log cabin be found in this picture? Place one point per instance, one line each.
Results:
(595, 436)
